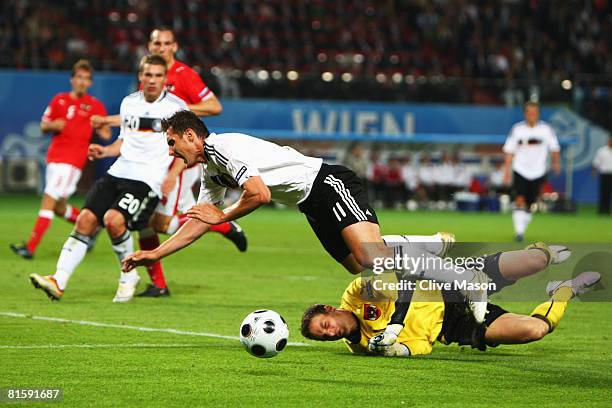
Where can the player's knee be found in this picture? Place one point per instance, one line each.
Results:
(537, 260)
(114, 222)
(535, 331)
(59, 210)
(365, 258)
(160, 224)
(86, 222)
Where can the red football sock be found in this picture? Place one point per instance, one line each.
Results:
(155, 271)
(221, 228)
(71, 213)
(40, 227)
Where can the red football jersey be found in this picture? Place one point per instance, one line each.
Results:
(185, 83)
(71, 144)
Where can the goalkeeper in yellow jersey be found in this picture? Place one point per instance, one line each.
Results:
(409, 322)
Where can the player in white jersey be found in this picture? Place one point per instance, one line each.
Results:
(526, 150)
(177, 194)
(125, 198)
(331, 197)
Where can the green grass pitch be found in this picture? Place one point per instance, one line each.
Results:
(285, 269)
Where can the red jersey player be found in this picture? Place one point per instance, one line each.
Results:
(67, 118)
(178, 197)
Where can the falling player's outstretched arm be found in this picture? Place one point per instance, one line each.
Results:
(188, 233)
(255, 194)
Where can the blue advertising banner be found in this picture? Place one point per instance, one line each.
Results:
(24, 96)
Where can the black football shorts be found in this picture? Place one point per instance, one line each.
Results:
(134, 199)
(338, 199)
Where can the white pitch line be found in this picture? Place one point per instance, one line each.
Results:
(92, 346)
(129, 327)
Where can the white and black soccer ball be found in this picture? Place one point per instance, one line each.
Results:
(264, 333)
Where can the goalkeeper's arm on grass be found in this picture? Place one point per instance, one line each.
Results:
(386, 343)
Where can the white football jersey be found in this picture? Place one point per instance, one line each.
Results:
(603, 160)
(234, 157)
(411, 177)
(144, 152)
(425, 173)
(530, 147)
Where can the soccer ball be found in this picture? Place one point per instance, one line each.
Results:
(264, 333)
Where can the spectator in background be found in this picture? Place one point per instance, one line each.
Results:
(394, 183)
(376, 179)
(603, 164)
(411, 182)
(427, 187)
(462, 175)
(356, 160)
(496, 180)
(444, 178)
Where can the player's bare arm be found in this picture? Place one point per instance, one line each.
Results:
(507, 166)
(208, 107)
(188, 233)
(104, 132)
(170, 181)
(556, 162)
(98, 121)
(255, 194)
(53, 126)
(97, 151)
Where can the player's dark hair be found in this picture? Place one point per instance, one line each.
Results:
(162, 28)
(530, 104)
(183, 120)
(309, 314)
(82, 65)
(152, 60)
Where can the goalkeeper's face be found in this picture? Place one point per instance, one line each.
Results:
(332, 325)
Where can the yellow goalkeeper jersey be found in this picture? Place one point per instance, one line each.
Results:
(374, 309)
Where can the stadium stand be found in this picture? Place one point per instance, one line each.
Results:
(457, 51)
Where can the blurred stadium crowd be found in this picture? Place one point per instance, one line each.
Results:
(429, 179)
(459, 51)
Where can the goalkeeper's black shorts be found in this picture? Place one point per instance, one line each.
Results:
(460, 327)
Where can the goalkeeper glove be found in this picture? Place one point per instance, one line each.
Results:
(386, 339)
(394, 350)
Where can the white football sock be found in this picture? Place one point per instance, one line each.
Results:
(518, 220)
(428, 266)
(73, 252)
(129, 277)
(526, 220)
(432, 244)
(46, 214)
(68, 211)
(173, 226)
(123, 245)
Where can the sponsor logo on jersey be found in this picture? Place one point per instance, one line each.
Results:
(141, 124)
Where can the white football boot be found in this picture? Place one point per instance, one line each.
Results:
(580, 284)
(478, 299)
(125, 291)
